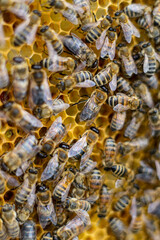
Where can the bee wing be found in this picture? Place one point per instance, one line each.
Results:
(130, 65)
(86, 84)
(157, 168)
(87, 154)
(55, 66)
(84, 216)
(80, 144)
(108, 50)
(88, 26)
(43, 220)
(137, 8)
(53, 217)
(80, 67)
(2, 36)
(65, 193)
(30, 119)
(127, 31)
(92, 198)
(22, 26)
(21, 170)
(59, 173)
(74, 7)
(146, 64)
(89, 168)
(134, 29)
(32, 197)
(133, 209)
(120, 108)
(157, 56)
(52, 53)
(11, 181)
(51, 130)
(70, 17)
(57, 108)
(32, 34)
(20, 12)
(50, 168)
(155, 11)
(113, 83)
(100, 40)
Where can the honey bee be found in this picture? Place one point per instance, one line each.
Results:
(53, 137)
(97, 31)
(69, 11)
(73, 204)
(9, 218)
(74, 226)
(81, 51)
(142, 91)
(118, 121)
(109, 152)
(45, 208)
(56, 63)
(58, 105)
(152, 228)
(47, 236)
(117, 227)
(56, 164)
(13, 112)
(122, 102)
(127, 26)
(80, 188)
(61, 215)
(128, 64)
(4, 78)
(85, 16)
(135, 145)
(79, 79)
(20, 78)
(154, 121)
(24, 150)
(137, 10)
(109, 46)
(150, 58)
(135, 123)
(93, 106)
(124, 86)
(87, 166)
(40, 99)
(19, 8)
(27, 189)
(95, 179)
(122, 203)
(146, 173)
(3, 231)
(137, 217)
(104, 200)
(108, 74)
(62, 188)
(26, 31)
(120, 171)
(52, 40)
(156, 13)
(82, 149)
(28, 231)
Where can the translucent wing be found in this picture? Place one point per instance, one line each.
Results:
(74, 7)
(32, 34)
(84, 217)
(76, 148)
(59, 107)
(51, 131)
(55, 66)
(129, 64)
(32, 197)
(20, 12)
(137, 8)
(89, 167)
(146, 64)
(86, 84)
(100, 40)
(87, 154)
(22, 26)
(92, 198)
(113, 83)
(71, 16)
(51, 168)
(2, 36)
(127, 31)
(52, 53)
(88, 26)
(65, 193)
(133, 209)
(11, 181)
(108, 49)
(53, 217)
(43, 220)
(157, 56)
(155, 11)
(21, 170)
(134, 29)
(120, 108)
(158, 168)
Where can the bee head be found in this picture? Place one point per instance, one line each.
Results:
(18, 60)
(94, 129)
(153, 112)
(95, 64)
(61, 85)
(7, 208)
(38, 13)
(64, 145)
(121, 45)
(33, 171)
(118, 13)
(8, 105)
(111, 29)
(108, 17)
(41, 188)
(44, 29)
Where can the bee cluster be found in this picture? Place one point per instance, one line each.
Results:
(80, 120)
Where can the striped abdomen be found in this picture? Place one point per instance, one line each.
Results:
(95, 179)
(13, 228)
(21, 37)
(152, 67)
(157, 19)
(114, 100)
(124, 86)
(93, 34)
(102, 78)
(110, 151)
(118, 120)
(122, 203)
(143, 23)
(28, 231)
(118, 170)
(82, 76)
(58, 46)
(22, 195)
(2, 185)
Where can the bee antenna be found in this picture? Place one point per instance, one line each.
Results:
(78, 103)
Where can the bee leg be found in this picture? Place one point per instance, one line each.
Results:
(68, 53)
(95, 16)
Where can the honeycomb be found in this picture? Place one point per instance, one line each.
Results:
(10, 135)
